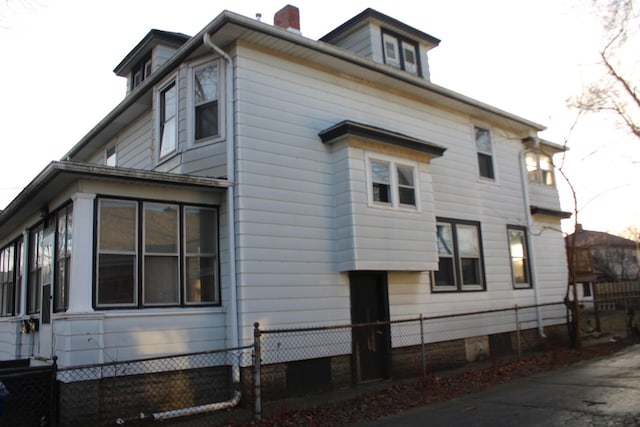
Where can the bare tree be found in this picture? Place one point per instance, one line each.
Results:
(616, 91)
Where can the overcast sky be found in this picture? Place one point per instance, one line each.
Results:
(526, 57)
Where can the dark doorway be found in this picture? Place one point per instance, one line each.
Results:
(371, 343)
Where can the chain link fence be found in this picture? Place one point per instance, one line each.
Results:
(31, 395)
(197, 386)
(284, 369)
(312, 366)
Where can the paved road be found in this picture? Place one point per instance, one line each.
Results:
(598, 393)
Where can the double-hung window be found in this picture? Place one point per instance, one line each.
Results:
(540, 168)
(400, 52)
(460, 261)
(156, 254)
(11, 271)
(63, 257)
(36, 262)
(168, 119)
(519, 253)
(392, 184)
(205, 98)
(485, 153)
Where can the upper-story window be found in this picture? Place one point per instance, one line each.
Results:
(205, 101)
(400, 52)
(110, 156)
(540, 168)
(11, 272)
(391, 183)
(168, 119)
(485, 153)
(460, 261)
(140, 72)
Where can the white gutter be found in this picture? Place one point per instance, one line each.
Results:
(532, 253)
(233, 294)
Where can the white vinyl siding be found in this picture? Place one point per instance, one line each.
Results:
(306, 203)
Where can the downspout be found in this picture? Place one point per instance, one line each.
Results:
(233, 292)
(532, 252)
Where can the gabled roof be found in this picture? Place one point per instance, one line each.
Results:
(371, 15)
(588, 239)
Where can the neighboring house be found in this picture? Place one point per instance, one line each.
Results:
(601, 257)
(254, 175)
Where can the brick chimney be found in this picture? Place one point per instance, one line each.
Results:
(288, 18)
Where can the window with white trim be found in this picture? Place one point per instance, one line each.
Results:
(400, 52)
(540, 168)
(168, 119)
(485, 153)
(392, 183)
(205, 101)
(460, 260)
(155, 254)
(519, 253)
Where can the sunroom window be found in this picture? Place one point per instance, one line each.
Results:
(165, 256)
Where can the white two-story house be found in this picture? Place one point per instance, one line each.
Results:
(251, 174)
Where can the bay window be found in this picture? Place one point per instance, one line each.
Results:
(205, 95)
(168, 119)
(392, 183)
(540, 168)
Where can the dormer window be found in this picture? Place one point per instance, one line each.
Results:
(140, 72)
(400, 52)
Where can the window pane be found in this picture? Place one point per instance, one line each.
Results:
(200, 230)
(201, 283)
(531, 161)
(168, 138)
(470, 271)
(117, 225)
(380, 172)
(405, 176)
(160, 280)
(207, 120)
(468, 242)
(160, 228)
(485, 165)
(445, 239)
(483, 141)
(445, 274)
(116, 279)
(518, 251)
(407, 196)
(381, 193)
(206, 83)
(546, 169)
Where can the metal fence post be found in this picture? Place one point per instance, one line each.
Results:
(422, 348)
(53, 417)
(518, 333)
(257, 362)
